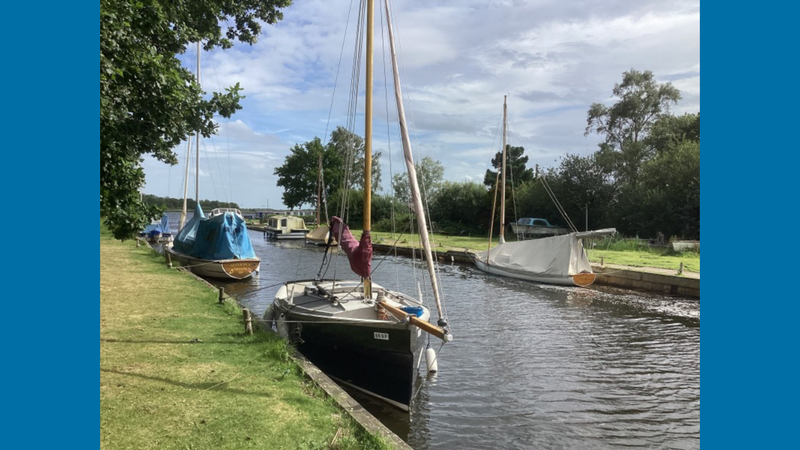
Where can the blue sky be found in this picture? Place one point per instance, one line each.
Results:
(552, 58)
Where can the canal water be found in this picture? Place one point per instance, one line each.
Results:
(531, 366)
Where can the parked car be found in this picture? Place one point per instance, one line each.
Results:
(536, 227)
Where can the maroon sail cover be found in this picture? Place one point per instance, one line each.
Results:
(358, 253)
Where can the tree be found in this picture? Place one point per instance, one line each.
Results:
(429, 177)
(516, 167)
(626, 123)
(295, 176)
(670, 130)
(177, 203)
(299, 173)
(148, 102)
(672, 182)
(582, 184)
(460, 206)
(351, 145)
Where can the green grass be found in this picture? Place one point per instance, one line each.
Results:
(440, 242)
(643, 258)
(178, 371)
(634, 252)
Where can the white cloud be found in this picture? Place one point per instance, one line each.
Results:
(552, 58)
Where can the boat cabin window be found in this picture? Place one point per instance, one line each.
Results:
(283, 222)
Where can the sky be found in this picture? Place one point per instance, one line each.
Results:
(553, 59)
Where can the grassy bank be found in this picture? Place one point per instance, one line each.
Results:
(660, 259)
(177, 370)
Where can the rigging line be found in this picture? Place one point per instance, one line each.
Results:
(557, 204)
(222, 181)
(513, 186)
(185, 183)
(229, 193)
(349, 144)
(351, 114)
(494, 141)
(297, 269)
(550, 192)
(210, 170)
(552, 196)
(228, 150)
(394, 247)
(389, 141)
(513, 192)
(350, 123)
(169, 179)
(338, 68)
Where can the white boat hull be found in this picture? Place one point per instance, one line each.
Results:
(230, 269)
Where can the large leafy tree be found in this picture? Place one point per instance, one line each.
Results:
(300, 171)
(149, 103)
(626, 123)
(583, 186)
(669, 130)
(351, 145)
(460, 207)
(430, 174)
(298, 174)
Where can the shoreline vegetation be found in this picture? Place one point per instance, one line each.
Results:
(178, 371)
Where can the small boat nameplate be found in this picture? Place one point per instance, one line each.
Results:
(382, 336)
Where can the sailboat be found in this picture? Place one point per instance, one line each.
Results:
(157, 232)
(322, 234)
(217, 246)
(358, 332)
(553, 260)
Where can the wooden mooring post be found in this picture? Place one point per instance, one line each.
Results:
(680, 269)
(248, 321)
(169, 260)
(221, 294)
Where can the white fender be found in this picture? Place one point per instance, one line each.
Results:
(430, 359)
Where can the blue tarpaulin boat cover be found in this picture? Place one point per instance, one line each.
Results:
(220, 237)
(157, 228)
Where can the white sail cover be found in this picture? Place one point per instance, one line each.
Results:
(556, 256)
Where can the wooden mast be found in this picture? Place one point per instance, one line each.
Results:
(368, 135)
(503, 187)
